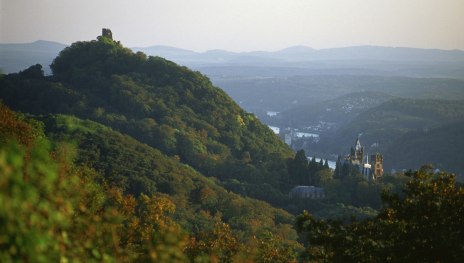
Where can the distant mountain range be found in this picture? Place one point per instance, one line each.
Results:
(302, 53)
(15, 57)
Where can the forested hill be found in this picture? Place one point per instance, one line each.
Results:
(155, 141)
(79, 190)
(159, 103)
(440, 146)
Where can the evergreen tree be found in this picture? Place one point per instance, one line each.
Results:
(298, 169)
(312, 167)
(346, 170)
(338, 169)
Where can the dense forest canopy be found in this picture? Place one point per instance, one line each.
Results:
(46, 219)
(423, 223)
(166, 106)
(177, 128)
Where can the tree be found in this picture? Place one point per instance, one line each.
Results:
(33, 72)
(338, 169)
(322, 176)
(346, 170)
(313, 166)
(423, 224)
(326, 164)
(298, 169)
(220, 244)
(426, 223)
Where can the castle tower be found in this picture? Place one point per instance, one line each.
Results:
(357, 153)
(377, 165)
(106, 32)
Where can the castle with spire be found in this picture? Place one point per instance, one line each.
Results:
(371, 167)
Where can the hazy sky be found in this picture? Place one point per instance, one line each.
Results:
(239, 25)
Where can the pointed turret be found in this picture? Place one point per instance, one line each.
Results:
(357, 153)
(358, 144)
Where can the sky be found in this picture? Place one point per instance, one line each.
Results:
(239, 25)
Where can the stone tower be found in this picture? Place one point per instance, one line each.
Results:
(106, 32)
(377, 165)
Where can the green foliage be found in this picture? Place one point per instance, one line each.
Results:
(163, 105)
(84, 62)
(43, 218)
(39, 95)
(220, 245)
(298, 169)
(303, 173)
(15, 127)
(28, 222)
(356, 191)
(345, 213)
(157, 102)
(269, 248)
(136, 168)
(422, 224)
(323, 176)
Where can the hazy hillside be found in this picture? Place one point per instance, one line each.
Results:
(16, 57)
(279, 94)
(384, 127)
(440, 146)
(360, 60)
(336, 112)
